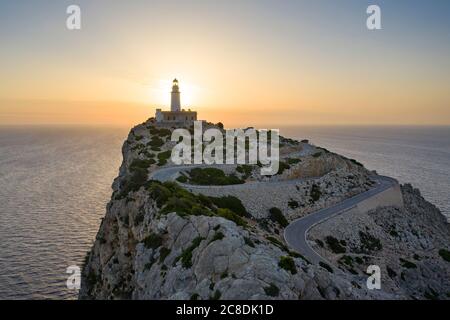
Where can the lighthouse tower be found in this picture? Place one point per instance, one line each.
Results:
(176, 115)
(175, 105)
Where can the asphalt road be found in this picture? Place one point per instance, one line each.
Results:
(296, 232)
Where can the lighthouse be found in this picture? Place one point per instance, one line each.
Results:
(175, 105)
(176, 115)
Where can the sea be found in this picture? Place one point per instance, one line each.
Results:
(55, 183)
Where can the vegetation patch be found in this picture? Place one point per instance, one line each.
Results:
(245, 170)
(347, 260)
(288, 264)
(278, 243)
(152, 241)
(445, 254)
(283, 166)
(293, 204)
(315, 192)
(277, 216)
(369, 242)
(335, 245)
(230, 215)
(249, 242)
(272, 290)
(326, 266)
(292, 161)
(216, 296)
(156, 142)
(317, 154)
(163, 253)
(298, 255)
(170, 197)
(182, 178)
(212, 176)
(408, 264)
(186, 255)
(232, 203)
(391, 273)
(217, 236)
(163, 157)
(194, 296)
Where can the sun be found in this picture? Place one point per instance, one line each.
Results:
(159, 93)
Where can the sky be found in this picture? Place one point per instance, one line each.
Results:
(240, 62)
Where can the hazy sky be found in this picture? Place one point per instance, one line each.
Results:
(240, 62)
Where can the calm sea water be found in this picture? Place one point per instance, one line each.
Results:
(55, 183)
(416, 155)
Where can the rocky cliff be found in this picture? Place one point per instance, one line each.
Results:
(161, 241)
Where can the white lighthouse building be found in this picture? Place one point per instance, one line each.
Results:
(175, 97)
(176, 113)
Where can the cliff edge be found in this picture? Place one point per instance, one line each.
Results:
(176, 240)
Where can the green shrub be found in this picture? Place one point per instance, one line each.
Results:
(334, 245)
(156, 142)
(283, 166)
(249, 242)
(445, 254)
(391, 273)
(369, 242)
(195, 296)
(163, 157)
(298, 255)
(232, 203)
(216, 295)
(287, 263)
(278, 243)
(272, 290)
(346, 260)
(245, 169)
(212, 176)
(217, 236)
(326, 266)
(293, 160)
(152, 241)
(317, 154)
(315, 192)
(182, 179)
(186, 256)
(230, 215)
(293, 204)
(277, 216)
(163, 253)
(159, 193)
(408, 264)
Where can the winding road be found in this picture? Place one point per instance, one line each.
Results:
(296, 232)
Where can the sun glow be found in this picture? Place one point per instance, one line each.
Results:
(159, 93)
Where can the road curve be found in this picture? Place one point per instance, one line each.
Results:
(296, 232)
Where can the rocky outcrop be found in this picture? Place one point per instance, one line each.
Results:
(408, 244)
(160, 241)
